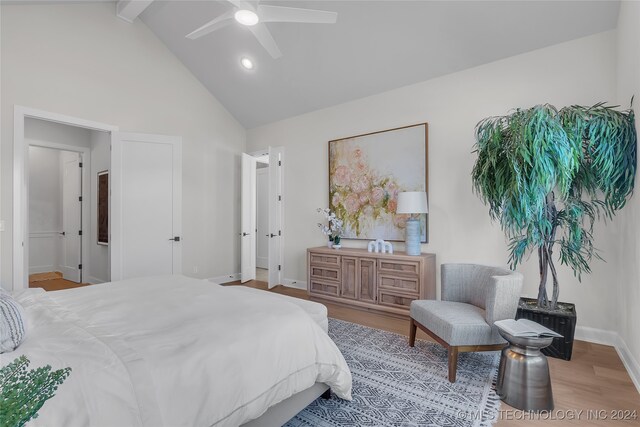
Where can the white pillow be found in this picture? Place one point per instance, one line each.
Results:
(12, 322)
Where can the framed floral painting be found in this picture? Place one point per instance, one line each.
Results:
(366, 173)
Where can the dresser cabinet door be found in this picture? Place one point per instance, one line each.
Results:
(367, 282)
(349, 277)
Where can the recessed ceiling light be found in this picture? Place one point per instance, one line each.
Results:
(246, 17)
(247, 63)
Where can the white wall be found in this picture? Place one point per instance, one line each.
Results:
(628, 261)
(99, 256)
(580, 71)
(45, 209)
(81, 60)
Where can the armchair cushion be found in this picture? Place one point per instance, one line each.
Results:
(456, 323)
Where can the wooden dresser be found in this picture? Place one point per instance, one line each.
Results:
(369, 280)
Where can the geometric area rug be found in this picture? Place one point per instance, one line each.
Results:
(396, 385)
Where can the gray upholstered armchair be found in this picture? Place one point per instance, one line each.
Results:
(473, 297)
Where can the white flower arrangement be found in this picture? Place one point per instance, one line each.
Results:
(333, 228)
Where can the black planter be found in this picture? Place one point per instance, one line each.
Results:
(562, 321)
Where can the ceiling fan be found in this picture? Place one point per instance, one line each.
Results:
(254, 17)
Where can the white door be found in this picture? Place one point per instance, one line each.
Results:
(71, 216)
(262, 217)
(276, 162)
(248, 219)
(146, 208)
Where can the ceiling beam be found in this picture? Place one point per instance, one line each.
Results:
(130, 9)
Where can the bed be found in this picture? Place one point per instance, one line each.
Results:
(177, 351)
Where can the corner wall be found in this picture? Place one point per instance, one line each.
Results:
(581, 71)
(628, 261)
(81, 60)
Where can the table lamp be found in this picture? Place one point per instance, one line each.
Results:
(412, 202)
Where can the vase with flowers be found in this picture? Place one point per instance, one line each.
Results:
(332, 229)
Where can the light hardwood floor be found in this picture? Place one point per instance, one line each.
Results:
(52, 281)
(594, 381)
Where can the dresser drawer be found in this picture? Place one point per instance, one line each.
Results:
(324, 288)
(393, 299)
(402, 267)
(325, 259)
(399, 283)
(325, 273)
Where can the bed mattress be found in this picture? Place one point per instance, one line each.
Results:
(317, 311)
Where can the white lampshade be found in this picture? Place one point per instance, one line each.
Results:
(412, 202)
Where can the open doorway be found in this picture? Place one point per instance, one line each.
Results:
(261, 216)
(66, 166)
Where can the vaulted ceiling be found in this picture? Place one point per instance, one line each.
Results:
(375, 46)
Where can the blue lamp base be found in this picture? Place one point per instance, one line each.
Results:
(412, 239)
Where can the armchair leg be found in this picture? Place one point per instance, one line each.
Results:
(412, 333)
(453, 363)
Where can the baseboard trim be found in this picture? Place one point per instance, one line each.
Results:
(94, 280)
(225, 278)
(43, 269)
(596, 336)
(613, 339)
(629, 362)
(297, 284)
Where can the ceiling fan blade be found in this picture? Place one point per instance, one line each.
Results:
(219, 22)
(261, 32)
(269, 13)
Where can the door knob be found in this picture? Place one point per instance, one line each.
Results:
(176, 239)
(272, 235)
(244, 234)
(64, 233)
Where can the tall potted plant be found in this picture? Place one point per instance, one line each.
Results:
(547, 175)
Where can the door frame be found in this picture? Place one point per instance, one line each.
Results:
(20, 229)
(248, 223)
(275, 206)
(115, 205)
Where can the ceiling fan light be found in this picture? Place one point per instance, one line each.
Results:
(246, 63)
(246, 17)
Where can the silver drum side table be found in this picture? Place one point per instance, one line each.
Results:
(523, 377)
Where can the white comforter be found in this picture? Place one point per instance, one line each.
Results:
(173, 351)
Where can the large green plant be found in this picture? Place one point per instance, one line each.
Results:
(547, 175)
